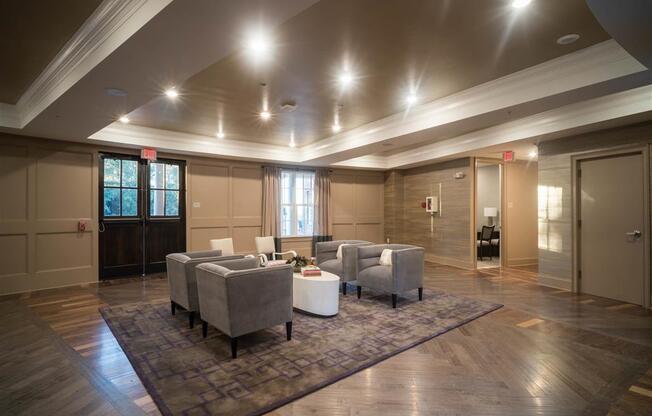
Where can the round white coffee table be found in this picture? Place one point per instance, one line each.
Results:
(317, 295)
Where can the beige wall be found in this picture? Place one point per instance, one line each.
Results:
(451, 237)
(357, 200)
(519, 245)
(47, 186)
(555, 224)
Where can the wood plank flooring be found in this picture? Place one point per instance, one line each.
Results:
(547, 352)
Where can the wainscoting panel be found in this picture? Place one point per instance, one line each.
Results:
(358, 205)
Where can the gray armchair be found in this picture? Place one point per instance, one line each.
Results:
(346, 268)
(405, 273)
(238, 297)
(181, 278)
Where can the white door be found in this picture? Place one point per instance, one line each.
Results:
(612, 245)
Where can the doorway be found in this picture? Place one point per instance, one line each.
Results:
(142, 214)
(612, 227)
(488, 213)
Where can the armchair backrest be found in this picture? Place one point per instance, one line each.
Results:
(223, 244)
(327, 250)
(265, 245)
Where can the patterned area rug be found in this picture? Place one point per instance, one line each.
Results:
(188, 375)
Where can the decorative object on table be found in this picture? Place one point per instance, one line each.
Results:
(311, 270)
(491, 213)
(297, 262)
(162, 350)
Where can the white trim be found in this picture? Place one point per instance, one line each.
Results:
(110, 25)
(187, 143)
(601, 62)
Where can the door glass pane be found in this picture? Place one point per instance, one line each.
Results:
(129, 202)
(156, 203)
(112, 202)
(111, 172)
(157, 175)
(172, 203)
(172, 176)
(130, 173)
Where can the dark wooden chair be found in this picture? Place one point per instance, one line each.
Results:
(485, 240)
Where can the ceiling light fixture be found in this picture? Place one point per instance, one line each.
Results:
(345, 79)
(171, 93)
(336, 127)
(568, 39)
(124, 119)
(259, 45)
(533, 154)
(411, 99)
(265, 115)
(220, 134)
(518, 4)
(292, 142)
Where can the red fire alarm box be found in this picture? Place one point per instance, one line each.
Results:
(148, 154)
(508, 156)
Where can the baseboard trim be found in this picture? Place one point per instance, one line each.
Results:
(525, 261)
(449, 261)
(555, 282)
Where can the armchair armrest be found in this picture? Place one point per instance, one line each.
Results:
(407, 268)
(294, 254)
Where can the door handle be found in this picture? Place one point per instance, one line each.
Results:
(636, 234)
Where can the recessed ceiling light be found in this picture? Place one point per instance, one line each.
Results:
(259, 45)
(292, 143)
(171, 93)
(520, 3)
(345, 78)
(124, 119)
(411, 99)
(568, 39)
(265, 115)
(533, 154)
(220, 134)
(336, 128)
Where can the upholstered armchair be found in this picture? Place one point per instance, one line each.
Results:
(238, 297)
(266, 249)
(344, 266)
(181, 278)
(404, 273)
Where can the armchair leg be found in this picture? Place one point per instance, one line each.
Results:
(288, 330)
(420, 293)
(343, 288)
(204, 329)
(394, 300)
(173, 307)
(359, 291)
(234, 347)
(191, 319)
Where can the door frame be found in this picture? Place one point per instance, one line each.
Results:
(503, 224)
(643, 150)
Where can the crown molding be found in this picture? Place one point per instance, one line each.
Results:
(550, 124)
(599, 63)
(112, 23)
(187, 143)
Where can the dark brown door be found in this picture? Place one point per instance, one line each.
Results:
(142, 214)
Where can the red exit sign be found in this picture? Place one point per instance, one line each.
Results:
(508, 156)
(148, 154)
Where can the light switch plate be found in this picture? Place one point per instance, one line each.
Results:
(196, 205)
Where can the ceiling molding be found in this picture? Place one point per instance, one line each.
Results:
(187, 143)
(555, 122)
(112, 23)
(599, 63)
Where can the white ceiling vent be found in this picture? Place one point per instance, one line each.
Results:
(288, 106)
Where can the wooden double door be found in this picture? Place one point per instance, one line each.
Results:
(142, 214)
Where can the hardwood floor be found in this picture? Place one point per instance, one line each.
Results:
(547, 352)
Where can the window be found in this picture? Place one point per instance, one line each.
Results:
(120, 187)
(164, 190)
(297, 203)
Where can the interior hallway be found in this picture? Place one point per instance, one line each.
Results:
(547, 352)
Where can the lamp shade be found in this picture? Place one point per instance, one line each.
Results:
(490, 212)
